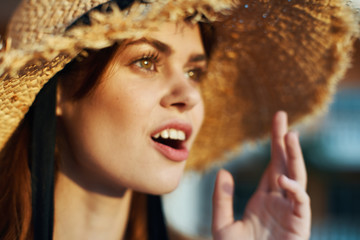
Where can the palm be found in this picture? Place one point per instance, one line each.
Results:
(275, 219)
(280, 207)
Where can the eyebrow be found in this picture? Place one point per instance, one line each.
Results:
(197, 58)
(166, 49)
(160, 46)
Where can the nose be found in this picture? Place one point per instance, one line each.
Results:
(182, 94)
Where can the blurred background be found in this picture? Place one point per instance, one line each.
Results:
(331, 147)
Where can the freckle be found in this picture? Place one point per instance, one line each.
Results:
(227, 188)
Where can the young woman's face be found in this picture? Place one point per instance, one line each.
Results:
(136, 128)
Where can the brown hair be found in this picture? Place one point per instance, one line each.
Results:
(79, 78)
(81, 75)
(15, 186)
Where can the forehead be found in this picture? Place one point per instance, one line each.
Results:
(180, 36)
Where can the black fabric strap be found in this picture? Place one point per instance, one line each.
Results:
(85, 18)
(42, 160)
(155, 219)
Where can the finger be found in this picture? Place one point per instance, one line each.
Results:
(223, 214)
(295, 161)
(279, 129)
(298, 195)
(278, 152)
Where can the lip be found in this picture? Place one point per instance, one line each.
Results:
(177, 155)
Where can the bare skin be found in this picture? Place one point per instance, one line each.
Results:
(280, 207)
(97, 216)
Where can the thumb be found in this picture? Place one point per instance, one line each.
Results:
(223, 214)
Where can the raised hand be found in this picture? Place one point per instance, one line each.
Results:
(280, 207)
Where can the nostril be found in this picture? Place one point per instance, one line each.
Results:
(180, 104)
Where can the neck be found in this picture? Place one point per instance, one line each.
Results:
(83, 214)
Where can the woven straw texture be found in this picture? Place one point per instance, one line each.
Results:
(269, 55)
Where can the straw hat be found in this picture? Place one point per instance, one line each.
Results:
(268, 55)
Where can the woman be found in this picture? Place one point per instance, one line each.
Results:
(128, 114)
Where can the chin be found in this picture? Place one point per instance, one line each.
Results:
(159, 191)
(156, 190)
(161, 184)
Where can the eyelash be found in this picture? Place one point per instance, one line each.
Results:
(152, 57)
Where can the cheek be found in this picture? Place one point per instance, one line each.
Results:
(111, 120)
(199, 112)
(100, 132)
(197, 116)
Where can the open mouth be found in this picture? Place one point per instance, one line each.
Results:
(170, 137)
(170, 142)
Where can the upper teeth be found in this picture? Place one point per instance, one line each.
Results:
(171, 133)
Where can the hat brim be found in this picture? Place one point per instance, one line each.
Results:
(268, 56)
(271, 56)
